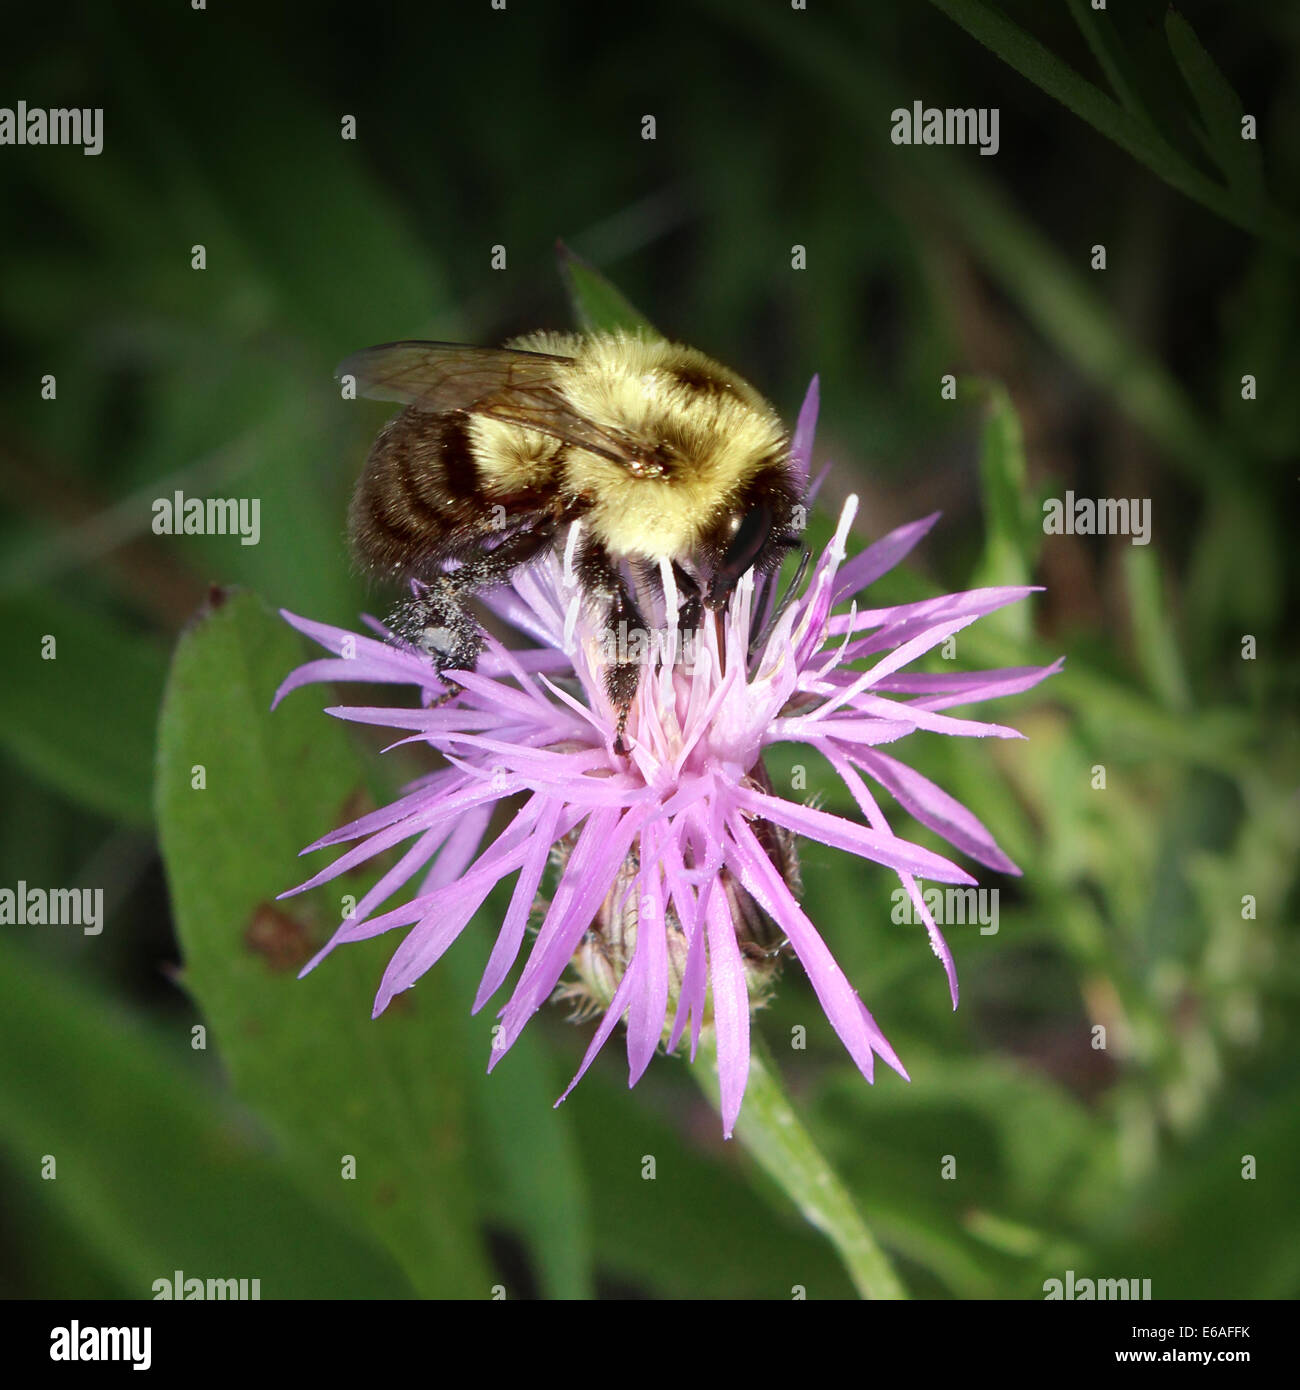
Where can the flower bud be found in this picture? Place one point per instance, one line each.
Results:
(607, 949)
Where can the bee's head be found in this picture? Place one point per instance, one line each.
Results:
(754, 535)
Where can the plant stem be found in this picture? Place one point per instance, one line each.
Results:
(771, 1132)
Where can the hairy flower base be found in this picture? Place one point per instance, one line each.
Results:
(675, 889)
(609, 946)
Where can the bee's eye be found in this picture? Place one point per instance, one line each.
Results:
(747, 543)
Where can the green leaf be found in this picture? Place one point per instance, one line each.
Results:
(1023, 1142)
(1013, 534)
(382, 1098)
(152, 1169)
(1221, 110)
(1154, 637)
(82, 719)
(1097, 29)
(1021, 51)
(1130, 720)
(773, 1136)
(598, 306)
(698, 1230)
(1060, 300)
(529, 1162)
(1232, 1230)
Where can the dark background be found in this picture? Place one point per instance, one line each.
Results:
(477, 128)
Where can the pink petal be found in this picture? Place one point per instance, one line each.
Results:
(730, 1006)
(601, 849)
(511, 936)
(839, 833)
(645, 1023)
(805, 428)
(862, 795)
(1008, 685)
(933, 806)
(837, 997)
(877, 559)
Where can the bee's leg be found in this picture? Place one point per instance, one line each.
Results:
(690, 601)
(626, 636)
(438, 621)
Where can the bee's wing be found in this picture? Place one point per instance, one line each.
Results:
(446, 376)
(504, 383)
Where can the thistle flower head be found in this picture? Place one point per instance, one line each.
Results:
(675, 886)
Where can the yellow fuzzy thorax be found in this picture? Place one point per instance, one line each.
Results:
(714, 431)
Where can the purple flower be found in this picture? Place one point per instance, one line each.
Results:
(675, 884)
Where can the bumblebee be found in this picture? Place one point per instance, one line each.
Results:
(654, 450)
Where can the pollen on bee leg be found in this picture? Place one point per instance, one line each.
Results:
(438, 641)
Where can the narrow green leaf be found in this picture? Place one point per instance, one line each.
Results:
(381, 1099)
(1060, 300)
(773, 1136)
(1023, 1139)
(79, 706)
(598, 306)
(154, 1171)
(698, 1230)
(1097, 29)
(1154, 637)
(1220, 738)
(1222, 111)
(1234, 581)
(1021, 51)
(1013, 535)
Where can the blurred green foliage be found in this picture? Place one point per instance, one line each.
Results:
(478, 129)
